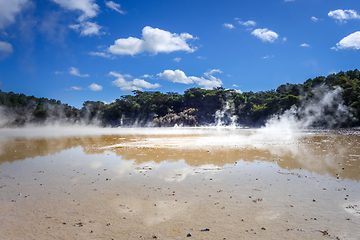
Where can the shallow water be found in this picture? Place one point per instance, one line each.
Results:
(142, 183)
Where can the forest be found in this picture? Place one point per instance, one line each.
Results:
(198, 107)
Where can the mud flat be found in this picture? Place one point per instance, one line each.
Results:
(191, 184)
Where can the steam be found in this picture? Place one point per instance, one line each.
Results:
(4, 121)
(325, 108)
(225, 116)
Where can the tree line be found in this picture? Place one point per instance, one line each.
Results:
(193, 108)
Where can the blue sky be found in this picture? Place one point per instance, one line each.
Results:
(98, 50)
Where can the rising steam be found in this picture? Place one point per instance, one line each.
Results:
(325, 108)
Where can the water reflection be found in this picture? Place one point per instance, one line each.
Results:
(334, 153)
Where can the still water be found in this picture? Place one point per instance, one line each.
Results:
(173, 183)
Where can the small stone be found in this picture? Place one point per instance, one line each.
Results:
(263, 228)
(188, 235)
(205, 230)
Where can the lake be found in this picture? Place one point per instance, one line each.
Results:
(179, 183)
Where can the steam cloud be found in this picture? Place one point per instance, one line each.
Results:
(326, 108)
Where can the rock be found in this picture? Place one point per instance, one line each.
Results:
(205, 230)
(188, 235)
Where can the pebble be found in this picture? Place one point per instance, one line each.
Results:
(188, 235)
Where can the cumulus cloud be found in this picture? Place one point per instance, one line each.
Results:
(177, 59)
(131, 85)
(87, 28)
(343, 15)
(179, 76)
(154, 40)
(114, 6)
(8, 11)
(228, 25)
(76, 72)
(249, 23)
(265, 34)
(176, 76)
(95, 87)
(304, 45)
(351, 41)
(314, 19)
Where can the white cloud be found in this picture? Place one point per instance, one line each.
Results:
(179, 76)
(284, 39)
(108, 103)
(208, 74)
(126, 46)
(75, 88)
(76, 72)
(228, 25)
(87, 28)
(6, 47)
(249, 23)
(351, 41)
(95, 87)
(265, 34)
(176, 76)
(5, 50)
(8, 10)
(154, 40)
(147, 76)
(289, 0)
(268, 56)
(135, 84)
(304, 45)
(177, 59)
(314, 19)
(102, 54)
(88, 8)
(58, 72)
(343, 15)
(114, 6)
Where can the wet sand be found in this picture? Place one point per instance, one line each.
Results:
(237, 184)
